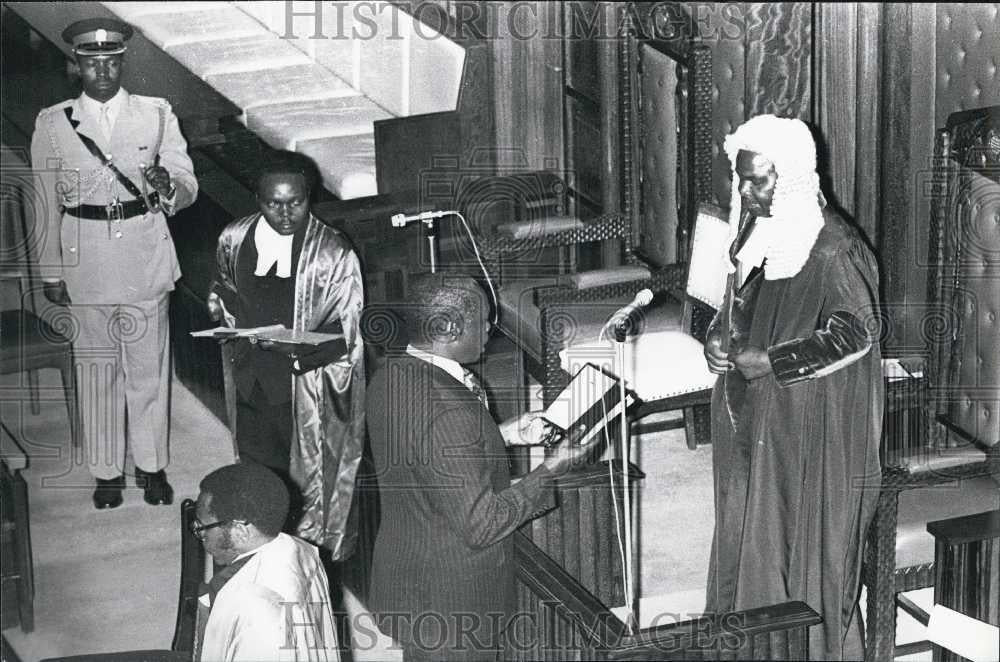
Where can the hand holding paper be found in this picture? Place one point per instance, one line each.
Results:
(591, 398)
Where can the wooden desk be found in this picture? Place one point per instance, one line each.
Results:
(18, 593)
(967, 568)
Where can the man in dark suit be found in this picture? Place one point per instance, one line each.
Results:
(443, 574)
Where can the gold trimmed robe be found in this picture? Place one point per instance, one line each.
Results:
(328, 402)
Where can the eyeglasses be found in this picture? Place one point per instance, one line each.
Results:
(197, 528)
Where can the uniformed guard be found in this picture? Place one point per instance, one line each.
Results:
(111, 167)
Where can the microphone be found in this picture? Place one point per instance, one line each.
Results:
(627, 316)
(401, 220)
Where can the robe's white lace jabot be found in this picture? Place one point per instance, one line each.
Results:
(781, 242)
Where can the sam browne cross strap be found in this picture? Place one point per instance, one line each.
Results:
(115, 210)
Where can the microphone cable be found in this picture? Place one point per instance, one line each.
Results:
(475, 249)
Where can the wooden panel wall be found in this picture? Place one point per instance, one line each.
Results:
(528, 78)
(907, 136)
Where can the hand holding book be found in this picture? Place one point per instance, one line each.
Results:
(571, 450)
(307, 349)
(309, 358)
(528, 429)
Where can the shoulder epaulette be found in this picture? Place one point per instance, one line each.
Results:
(153, 101)
(59, 107)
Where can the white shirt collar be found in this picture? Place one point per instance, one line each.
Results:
(257, 549)
(272, 248)
(93, 107)
(450, 366)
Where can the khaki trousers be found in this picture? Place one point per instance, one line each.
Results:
(123, 381)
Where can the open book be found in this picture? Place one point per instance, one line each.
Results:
(275, 333)
(592, 398)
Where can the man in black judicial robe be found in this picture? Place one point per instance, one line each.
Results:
(300, 408)
(797, 414)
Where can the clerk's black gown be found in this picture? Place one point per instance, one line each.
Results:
(796, 460)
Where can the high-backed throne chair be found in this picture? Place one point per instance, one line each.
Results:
(951, 468)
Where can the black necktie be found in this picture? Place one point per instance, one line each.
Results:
(473, 384)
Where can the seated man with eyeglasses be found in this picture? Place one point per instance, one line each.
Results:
(271, 601)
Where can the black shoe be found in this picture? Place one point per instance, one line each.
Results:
(157, 490)
(109, 493)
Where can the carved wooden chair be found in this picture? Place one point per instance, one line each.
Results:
(194, 564)
(965, 582)
(951, 468)
(16, 564)
(29, 342)
(666, 170)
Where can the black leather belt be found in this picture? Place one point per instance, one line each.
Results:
(112, 212)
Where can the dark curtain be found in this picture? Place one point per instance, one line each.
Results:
(779, 59)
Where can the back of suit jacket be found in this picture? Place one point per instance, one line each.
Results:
(443, 555)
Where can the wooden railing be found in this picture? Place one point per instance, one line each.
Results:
(559, 619)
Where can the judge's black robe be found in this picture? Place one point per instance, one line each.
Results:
(795, 453)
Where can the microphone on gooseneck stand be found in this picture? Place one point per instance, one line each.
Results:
(400, 220)
(427, 218)
(627, 317)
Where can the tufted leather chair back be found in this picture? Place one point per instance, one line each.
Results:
(967, 220)
(967, 56)
(666, 119)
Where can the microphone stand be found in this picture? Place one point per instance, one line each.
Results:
(631, 600)
(431, 243)
(427, 218)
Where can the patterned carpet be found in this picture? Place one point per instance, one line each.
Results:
(675, 524)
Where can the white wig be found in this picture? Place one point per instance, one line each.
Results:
(787, 236)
